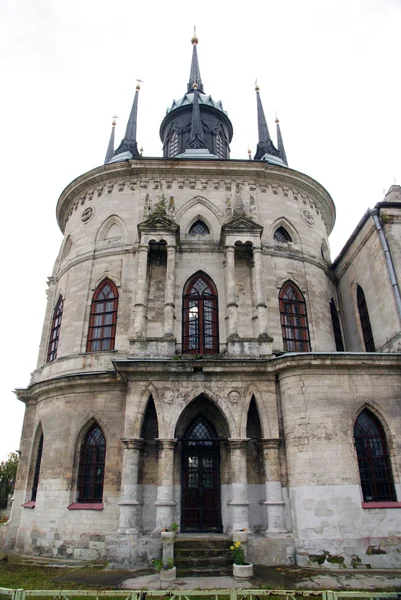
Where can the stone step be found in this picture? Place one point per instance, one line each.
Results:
(198, 552)
(203, 563)
(208, 543)
(198, 572)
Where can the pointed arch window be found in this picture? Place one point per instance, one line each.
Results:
(294, 320)
(199, 228)
(200, 324)
(91, 466)
(55, 330)
(173, 145)
(36, 474)
(373, 459)
(103, 318)
(281, 235)
(365, 321)
(336, 327)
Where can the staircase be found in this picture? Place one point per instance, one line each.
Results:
(202, 555)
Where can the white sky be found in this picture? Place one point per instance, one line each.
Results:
(330, 69)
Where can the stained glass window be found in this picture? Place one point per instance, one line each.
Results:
(199, 228)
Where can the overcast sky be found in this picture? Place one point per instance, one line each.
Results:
(331, 70)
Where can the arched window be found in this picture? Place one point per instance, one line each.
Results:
(173, 145)
(294, 320)
(103, 318)
(55, 330)
(36, 474)
(373, 459)
(199, 228)
(200, 325)
(91, 466)
(336, 327)
(282, 235)
(365, 321)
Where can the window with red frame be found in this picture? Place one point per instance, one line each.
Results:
(373, 459)
(294, 320)
(365, 321)
(91, 466)
(55, 330)
(200, 316)
(103, 318)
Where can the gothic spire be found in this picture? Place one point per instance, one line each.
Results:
(265, 145)
(280, 143)
(195, 76)
(110, 147)
(196, 139)
(129, 144)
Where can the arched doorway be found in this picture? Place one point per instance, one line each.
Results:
(201, 502)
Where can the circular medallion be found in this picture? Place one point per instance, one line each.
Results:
(307, 217)
(87, 214)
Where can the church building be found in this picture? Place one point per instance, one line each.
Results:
(204, 361)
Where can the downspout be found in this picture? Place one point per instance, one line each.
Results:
(389, 259)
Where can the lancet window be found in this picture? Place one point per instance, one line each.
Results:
(36, 474)
(200, 318)
(173, 145)
(103, 318)
(91, 466)
(336, 327)
(373, 459)
(365, 321)
(55, 330)
(294, 320)
(199, 228)
(282, 235)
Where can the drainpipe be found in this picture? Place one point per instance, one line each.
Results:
(389, 259)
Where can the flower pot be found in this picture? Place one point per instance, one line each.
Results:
(168, 537)
(240, 536)
(243, 571)
(168, 574)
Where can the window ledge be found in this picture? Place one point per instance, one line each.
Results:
(86, 506)
(30, 504)
(381, 504)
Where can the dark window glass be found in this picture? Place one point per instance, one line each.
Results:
(373, 459)
(199, 228)
(282, 235)
(365, 321)
(37, 470)
(55, 330)
(336, 327)
(91, 466)
(200, 326)
(103, 318)
(219, 146)
(294, 321)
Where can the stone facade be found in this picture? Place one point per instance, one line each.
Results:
(283, 462)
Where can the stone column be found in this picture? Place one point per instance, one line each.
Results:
(260, 300)
(141, 290)
(130, 506)
(231, 296)
(274, 496)
(165, 490)
(169, 294)
(239, 484)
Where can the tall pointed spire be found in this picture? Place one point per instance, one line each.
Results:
(195, 76)
(110, 147)
(129, 143)
(280, 143)
(196, 139)
(265, 145)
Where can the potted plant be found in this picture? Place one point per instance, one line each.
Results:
(167, 570)
(168, 533)
(242, 569)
